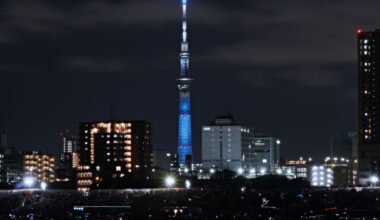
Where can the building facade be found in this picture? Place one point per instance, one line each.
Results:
(227, 145)
(12, 170)
(345, 146)
(321, 176)
(266, 153)
(368, 104)
(69, 159)
(112, 150)
(161, 160)
(337, 174)
(39, 166)
(1, 165)
(296, 168)
(69, 142)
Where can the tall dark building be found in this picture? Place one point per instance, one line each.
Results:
(344, 146)
(69, 142)
(369, 104)
(12, 167)
(68, 161)
(113, 149)
(3, 140)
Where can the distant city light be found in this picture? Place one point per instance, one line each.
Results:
(374, 179)
(262, 171)
(279, 171)
(28, 181)
(212, 171)
(43, 186)
(169, 181)
(187, 184)
(240, 171)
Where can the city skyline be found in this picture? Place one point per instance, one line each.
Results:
(76, 71)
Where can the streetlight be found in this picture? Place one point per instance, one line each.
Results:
(240, 171)
(374, 180)
(169, 182)
(28, 181)
(43, 185)
(289, 172)
(262, 171)
(187, 184)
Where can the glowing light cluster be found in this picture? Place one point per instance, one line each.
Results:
(169, 182)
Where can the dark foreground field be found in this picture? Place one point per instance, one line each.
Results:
(217, 203)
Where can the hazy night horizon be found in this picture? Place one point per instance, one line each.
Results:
(286, 68)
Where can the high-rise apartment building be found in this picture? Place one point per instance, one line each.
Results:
(227, 145)
(369, 104)
(113, 149)
(39, 166)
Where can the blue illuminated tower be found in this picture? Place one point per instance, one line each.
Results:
(184, 84)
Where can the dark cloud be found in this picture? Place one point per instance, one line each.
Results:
(304, 76)
(92, 65)
(284, 67)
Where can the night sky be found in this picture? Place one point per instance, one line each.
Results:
(283, 67)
